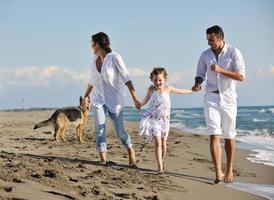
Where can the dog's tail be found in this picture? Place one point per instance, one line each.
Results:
(45, 123)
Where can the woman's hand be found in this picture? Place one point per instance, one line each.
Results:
(137, 104)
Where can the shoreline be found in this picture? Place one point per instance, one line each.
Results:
(36, 166)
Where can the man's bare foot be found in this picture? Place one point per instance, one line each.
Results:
(219, 178)
(228, 177)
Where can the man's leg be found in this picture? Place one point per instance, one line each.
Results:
(213, 122)
(230, 152)
(229, 113)
(216, 155)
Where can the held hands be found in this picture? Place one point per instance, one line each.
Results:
(216, 68)
(196, 87)
(137, 104)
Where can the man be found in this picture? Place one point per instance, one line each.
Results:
(223, 65)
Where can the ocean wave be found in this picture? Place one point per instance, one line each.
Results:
(178, 115)
(202, 130)
(271, 110)
(262, 111)
(263, 141)
(177, 111)
(240, 110)
(263, 157)
(256, 132)
(259, 120)
(263, 190)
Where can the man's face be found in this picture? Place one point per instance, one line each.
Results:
(214, 41)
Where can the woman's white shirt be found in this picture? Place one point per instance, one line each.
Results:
(109, 84)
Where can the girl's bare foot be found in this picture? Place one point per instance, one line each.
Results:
(160, 172)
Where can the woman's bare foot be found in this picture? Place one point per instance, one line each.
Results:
(131, 156)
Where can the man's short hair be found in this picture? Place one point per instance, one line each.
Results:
(217, 30)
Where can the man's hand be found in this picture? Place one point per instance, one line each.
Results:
(216, 68)
(196, 87)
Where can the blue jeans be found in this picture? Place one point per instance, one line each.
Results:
(100, 127)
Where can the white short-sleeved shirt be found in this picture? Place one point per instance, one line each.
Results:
(230, 59)
(109, 85)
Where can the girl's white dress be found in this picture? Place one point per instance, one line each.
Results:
(155, 122)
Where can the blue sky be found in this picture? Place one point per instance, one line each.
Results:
(45, 52)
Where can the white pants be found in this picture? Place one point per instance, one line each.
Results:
(220, 118)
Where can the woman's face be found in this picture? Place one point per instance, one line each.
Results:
(95, 47)
(158, 80)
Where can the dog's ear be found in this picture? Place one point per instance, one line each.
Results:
(81, 99)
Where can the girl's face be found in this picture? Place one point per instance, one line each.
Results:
(158, 80)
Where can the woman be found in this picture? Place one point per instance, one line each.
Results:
(108, 77)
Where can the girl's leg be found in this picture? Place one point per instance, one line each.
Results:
(159, 153)
(100, 127)
(118, 125)
(164, 148)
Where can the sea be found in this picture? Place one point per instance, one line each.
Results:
(255, 128)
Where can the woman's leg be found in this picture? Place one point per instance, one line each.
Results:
(118, 125)
(100, 127)
(159, 153)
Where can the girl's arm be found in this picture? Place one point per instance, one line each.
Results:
(179, 91)
(148, 95)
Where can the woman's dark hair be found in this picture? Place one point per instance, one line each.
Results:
(217, 30)
(157, 71)
(102, 39)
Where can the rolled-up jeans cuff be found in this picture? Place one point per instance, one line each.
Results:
(101, 148)
(128, 146)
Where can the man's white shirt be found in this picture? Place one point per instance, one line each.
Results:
(229, 59)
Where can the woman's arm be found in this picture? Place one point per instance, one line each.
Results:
(179, 91)
(88, 90)
(147, 97)
(133, 94)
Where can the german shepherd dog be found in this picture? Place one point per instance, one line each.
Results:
(61, 118)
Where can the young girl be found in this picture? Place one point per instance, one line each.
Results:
(155, 122)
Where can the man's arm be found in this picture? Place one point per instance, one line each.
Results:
(200, 74)
(233, 75)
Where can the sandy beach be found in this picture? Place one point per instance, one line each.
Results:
(34, 166)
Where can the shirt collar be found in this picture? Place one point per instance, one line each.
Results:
(224, 50)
